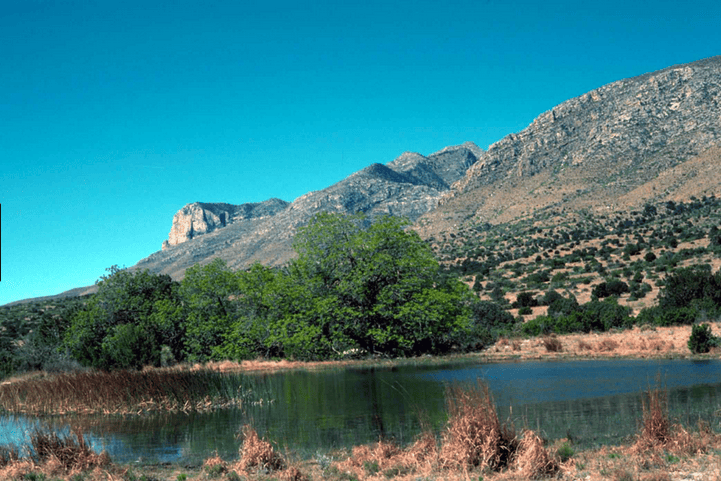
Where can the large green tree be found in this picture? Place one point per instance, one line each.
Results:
(127, 322)
(377, 286)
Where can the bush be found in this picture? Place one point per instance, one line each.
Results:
(701, 340)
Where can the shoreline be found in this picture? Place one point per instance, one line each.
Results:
(643, 342)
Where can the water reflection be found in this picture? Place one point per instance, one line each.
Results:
(589, 401)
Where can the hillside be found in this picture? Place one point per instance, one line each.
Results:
(650, 138)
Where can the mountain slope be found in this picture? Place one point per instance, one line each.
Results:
(603, 151)
(409, 186)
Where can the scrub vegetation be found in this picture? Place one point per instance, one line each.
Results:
(375, 290)
(473, 444)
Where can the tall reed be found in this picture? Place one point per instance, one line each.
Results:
(118, 392)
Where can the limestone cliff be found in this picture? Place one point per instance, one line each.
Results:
(201, 218)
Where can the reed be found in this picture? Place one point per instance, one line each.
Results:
(119, 392)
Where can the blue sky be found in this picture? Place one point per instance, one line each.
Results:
(114, 115)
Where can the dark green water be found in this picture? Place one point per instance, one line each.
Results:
(593, 402)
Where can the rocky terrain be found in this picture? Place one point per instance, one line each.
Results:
(650, 138)
(409, 186)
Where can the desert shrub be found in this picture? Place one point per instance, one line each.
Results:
(538, 326)
(549, 297)
(525, 299)
(702, 340)
(614, 287)
(688, 284)
(562, 306)
(489, 322)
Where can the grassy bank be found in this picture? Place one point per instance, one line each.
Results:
(474, 444)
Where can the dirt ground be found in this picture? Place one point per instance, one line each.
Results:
(639, 342)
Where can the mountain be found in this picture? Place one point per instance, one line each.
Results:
(599, 158)
(409, 186)
(650, 138)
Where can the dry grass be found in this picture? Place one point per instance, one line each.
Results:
(659, 434)
(533, 459)
(474, 435)
(257, 453)
(52, 455)
(607, 345)
(118, 392)
(552, 344)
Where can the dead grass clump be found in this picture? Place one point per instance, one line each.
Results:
(292, 473)
(67, 453)
(215, 465)
(656, 428)
(257, 452)
(552, 344)
(607, 345)
(584, 346)
(533, 459)
(474, 436)
(424, 450)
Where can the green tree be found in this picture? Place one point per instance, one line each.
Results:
(125, 324)
(701, 340)
(379, 284)
(207, 293)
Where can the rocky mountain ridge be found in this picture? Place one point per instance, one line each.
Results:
(647, 139)
(601, 151)
(409, 186)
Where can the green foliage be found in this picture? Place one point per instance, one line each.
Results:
(614, 287)
(567, 317)
(127, 322)
(688, 284)
(702, 340)
(565, 452)
(380, 284)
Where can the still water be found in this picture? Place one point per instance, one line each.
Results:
(591, 402)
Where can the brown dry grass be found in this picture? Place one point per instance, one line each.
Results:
(659, 434)
(474, 435)
(257, 453)
(638, 342)
(53, 455)
(533, 459)
(118, 392)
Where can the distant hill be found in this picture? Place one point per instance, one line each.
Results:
(602, 157)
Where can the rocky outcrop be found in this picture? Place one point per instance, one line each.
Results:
(409, 186)
(660, 118)
(201, 218)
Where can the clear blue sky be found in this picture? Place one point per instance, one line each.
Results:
(114, 115)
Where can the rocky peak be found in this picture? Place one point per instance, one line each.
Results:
(200, 218)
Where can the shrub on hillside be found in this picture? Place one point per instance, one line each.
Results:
(702, 340)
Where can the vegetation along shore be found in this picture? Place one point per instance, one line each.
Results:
(374, 293)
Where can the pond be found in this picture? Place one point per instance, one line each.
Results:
(592, 402)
